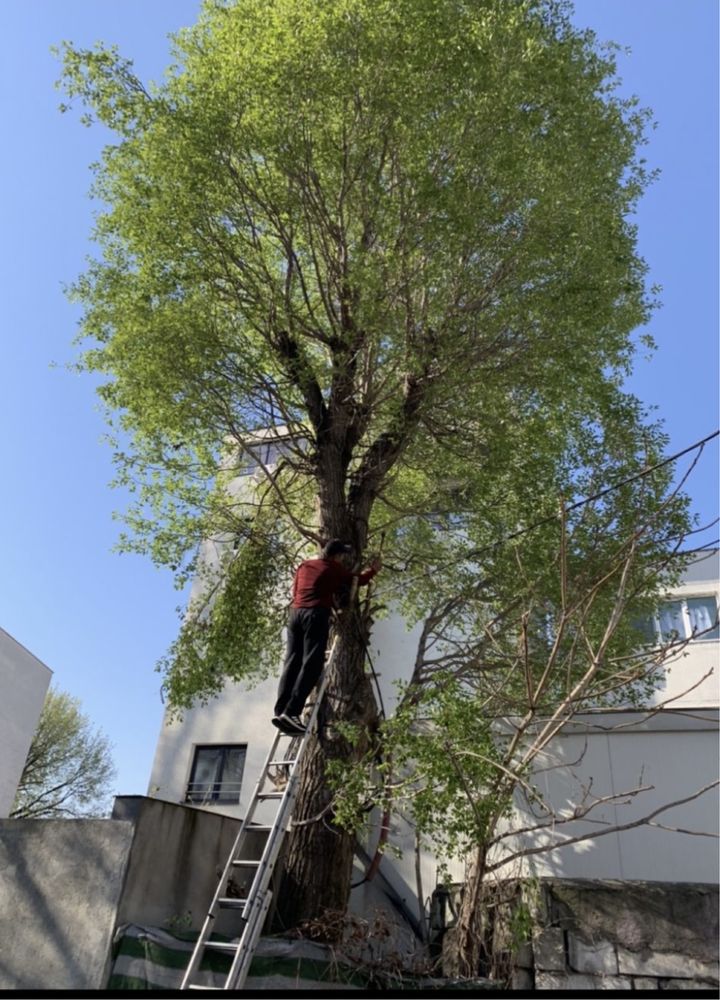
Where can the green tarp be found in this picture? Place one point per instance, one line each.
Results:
(148, 958)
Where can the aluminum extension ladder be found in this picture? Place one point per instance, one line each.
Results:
(255, 903)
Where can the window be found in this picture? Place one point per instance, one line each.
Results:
(216, 774)
(691, 618)
(267, 454)
(703, 617)
(671, 621)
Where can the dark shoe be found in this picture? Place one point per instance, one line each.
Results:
(289, 724)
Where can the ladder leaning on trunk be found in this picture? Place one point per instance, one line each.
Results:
(255, 902)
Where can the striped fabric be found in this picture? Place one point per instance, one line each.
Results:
(148, 958)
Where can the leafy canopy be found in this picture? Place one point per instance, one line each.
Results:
(402, 230)
(69, 768)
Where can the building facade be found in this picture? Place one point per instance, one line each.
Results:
(24, 681)
(670, 751)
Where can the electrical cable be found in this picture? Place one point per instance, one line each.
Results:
(579, 503)
(597, 496)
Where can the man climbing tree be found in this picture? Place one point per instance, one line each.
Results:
(395, 233)
(316, 583)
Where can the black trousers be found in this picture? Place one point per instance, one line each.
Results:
(307, 636)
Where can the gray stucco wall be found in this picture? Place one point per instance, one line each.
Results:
(60, 885)
(65, 885)
(173, 870)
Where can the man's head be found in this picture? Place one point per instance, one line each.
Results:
(335, 549)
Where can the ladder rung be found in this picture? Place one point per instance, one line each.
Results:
(197, 986)
(270, 795)
(242, 863)
(228, 946)
(279, 763)
(259, 829)
(232, 902)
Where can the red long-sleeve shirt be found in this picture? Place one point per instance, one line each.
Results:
(316, 580)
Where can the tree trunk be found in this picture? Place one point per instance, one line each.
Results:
(318, 865)
(319, 860)
(470, 939)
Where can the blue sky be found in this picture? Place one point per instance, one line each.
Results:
(99, 620)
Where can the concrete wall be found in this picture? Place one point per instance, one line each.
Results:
(24, 681)
(60, 886)
(173, 866)
(670, 755)
(65, 885)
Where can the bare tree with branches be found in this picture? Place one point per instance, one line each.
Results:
(502, 672)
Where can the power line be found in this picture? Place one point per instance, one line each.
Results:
(639, 475)
(597, 496)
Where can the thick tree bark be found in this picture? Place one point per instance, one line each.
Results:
(320, 855)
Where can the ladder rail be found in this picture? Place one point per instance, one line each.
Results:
(258, 897)
(208, 923)
(243, 957)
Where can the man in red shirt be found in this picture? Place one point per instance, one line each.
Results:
(316, 582)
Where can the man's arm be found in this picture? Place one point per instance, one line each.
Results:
(367, 575)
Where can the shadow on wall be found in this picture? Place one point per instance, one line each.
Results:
(60, 885)
(66, 884)
(636, 770)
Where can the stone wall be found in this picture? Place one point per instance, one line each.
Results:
(616, 935)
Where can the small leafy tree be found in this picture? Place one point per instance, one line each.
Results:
(508, 657)
(69, 768)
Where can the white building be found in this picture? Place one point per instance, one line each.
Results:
(671, 751)
(24, 681)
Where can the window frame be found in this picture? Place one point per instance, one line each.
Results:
(217, 790)
(688, 634)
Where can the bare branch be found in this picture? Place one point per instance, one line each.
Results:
(528, 851)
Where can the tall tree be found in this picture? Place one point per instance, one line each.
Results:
(69, 768)
(402, 231)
